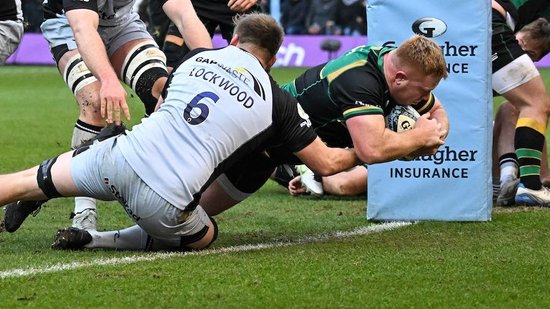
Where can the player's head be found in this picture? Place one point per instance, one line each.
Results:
(414, 69)
(261, 33)
(534, 39)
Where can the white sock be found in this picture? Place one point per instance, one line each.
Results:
(82, 202)
(508, 171)
(83, 132)
(132, 238)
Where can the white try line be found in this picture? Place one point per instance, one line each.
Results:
(371, 229)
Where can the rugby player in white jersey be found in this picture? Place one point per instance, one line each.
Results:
(97, 42)
(221, 105)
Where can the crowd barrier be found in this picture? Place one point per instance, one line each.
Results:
(296, 51)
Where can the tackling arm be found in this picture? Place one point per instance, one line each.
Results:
(325, 161)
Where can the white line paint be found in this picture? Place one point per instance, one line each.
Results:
(371, 229)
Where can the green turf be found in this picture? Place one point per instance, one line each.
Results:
(498, 264)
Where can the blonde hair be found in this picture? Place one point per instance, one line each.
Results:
(538, 31)
(423, 54)
(259, 29)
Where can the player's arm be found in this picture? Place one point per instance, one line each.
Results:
(438, 113)
(183, 15)
(324, 160)
(374, 143)
(84, 23)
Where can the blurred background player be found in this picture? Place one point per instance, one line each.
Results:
(11, 27)
(95, 43)
(526, 92)
(534, 39)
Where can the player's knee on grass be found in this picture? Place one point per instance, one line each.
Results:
(193, 230)
(202, 239)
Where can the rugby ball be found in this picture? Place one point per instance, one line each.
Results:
(401, 118)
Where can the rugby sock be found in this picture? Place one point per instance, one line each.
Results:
(508, 163)
(529, 141)
(82, 133)
(132, 238)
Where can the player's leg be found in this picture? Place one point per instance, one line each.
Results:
(51, 179)
(74, 173)
(239, 182)
(505, 163)
(352, 182)
(518, 80)
(169, 227)
(134, 238)
(138, 61)
(533, 104)
(85, 87)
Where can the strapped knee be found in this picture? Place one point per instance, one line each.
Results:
(77, 75)
(189, 239)
(44, 179)
(143, 66)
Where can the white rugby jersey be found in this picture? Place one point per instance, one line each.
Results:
(221, 105)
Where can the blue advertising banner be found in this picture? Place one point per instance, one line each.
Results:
(454, 184)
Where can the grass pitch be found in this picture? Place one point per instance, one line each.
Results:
(274, 250)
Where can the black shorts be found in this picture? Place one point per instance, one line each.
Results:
(505, 47)
(249, 174)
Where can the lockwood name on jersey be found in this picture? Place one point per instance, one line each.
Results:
(444, 155)
(225, 84)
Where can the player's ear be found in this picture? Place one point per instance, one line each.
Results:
(400, 77)
(270, 63)
(234, 40)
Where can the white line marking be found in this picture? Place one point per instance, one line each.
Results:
(371, 229)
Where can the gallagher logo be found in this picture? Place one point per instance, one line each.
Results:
(429, 27)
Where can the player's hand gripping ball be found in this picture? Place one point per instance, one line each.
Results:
(402, 118)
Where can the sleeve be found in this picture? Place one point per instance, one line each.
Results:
(358, 93)
(425, 106)
(293, 126)
(80, 4)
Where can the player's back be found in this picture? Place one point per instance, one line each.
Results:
(219, 103)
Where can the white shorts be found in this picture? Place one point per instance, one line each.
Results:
(102, 172)
(514, 74)
(10, 35)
